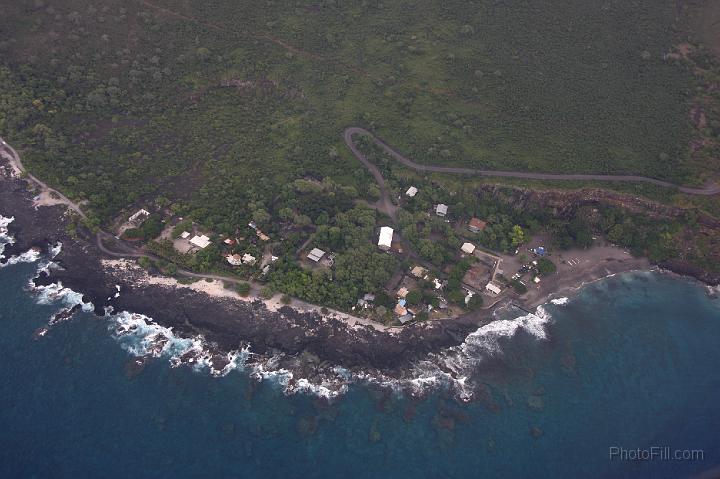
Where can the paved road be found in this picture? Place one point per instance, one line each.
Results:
(707, 190)
(385, 203)
(16, 163)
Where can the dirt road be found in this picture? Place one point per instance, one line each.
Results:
(11, 155)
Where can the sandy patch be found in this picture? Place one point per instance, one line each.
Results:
(217, 289)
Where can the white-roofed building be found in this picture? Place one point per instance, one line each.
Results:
(386, 237)
(441, 210)
(139, 218)
(468, 248)
(316, 254)
(494, 289)
(184, 235)
(248, 259)
(411, 192)
(235, 260)
(201, 242)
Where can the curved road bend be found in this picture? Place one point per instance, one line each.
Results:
(707, 190)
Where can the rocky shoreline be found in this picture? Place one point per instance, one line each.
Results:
(226, 324)
(308, 347)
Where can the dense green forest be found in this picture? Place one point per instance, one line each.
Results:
(226, 113)
(215, 104)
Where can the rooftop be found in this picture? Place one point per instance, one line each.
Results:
(493, 288)
(477, 224)
(386, 236)
(418, 271)
(201, 242)
(441, 209)
(412, 191)
(316, 254)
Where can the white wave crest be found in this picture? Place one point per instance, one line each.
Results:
(55, 292)
(452, 368)
(560, 301)
(5, 236)
(141, 337)
(29, 256)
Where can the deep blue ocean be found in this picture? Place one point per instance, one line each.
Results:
(630, 362)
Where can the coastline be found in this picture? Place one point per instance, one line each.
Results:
(291, 341)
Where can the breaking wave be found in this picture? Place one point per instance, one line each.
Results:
(5, 237)
(142, 338)
(560, 301)
(453, 368)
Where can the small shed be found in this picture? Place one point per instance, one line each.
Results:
(476, 225)
(402, 292)
(411, 192)
(316, 254)
(235, 260)
(468, 248)
(441, 210)
(494, 289)
(418, 271)
(184, 235)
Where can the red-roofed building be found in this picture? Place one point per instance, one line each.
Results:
(476, 225)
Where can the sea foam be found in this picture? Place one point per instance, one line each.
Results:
(5, 236)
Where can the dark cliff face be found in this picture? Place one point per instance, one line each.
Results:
(564, 203)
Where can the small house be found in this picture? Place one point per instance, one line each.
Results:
(400, 310)
(139, 217)
(418, 272)
(386, 237)
(316, 254)
(248, 259)
(476, 225)
(468, 248)
(201, 242)
(411, 192)
(369, 297)
(235, 259)
(441, 210)
(492, 288)
(184, 235)
(402, 292)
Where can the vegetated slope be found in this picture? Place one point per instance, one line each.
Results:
(216, 104)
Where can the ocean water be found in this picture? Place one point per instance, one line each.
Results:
(630, 362)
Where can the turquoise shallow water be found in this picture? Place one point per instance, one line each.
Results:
(630, 362)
